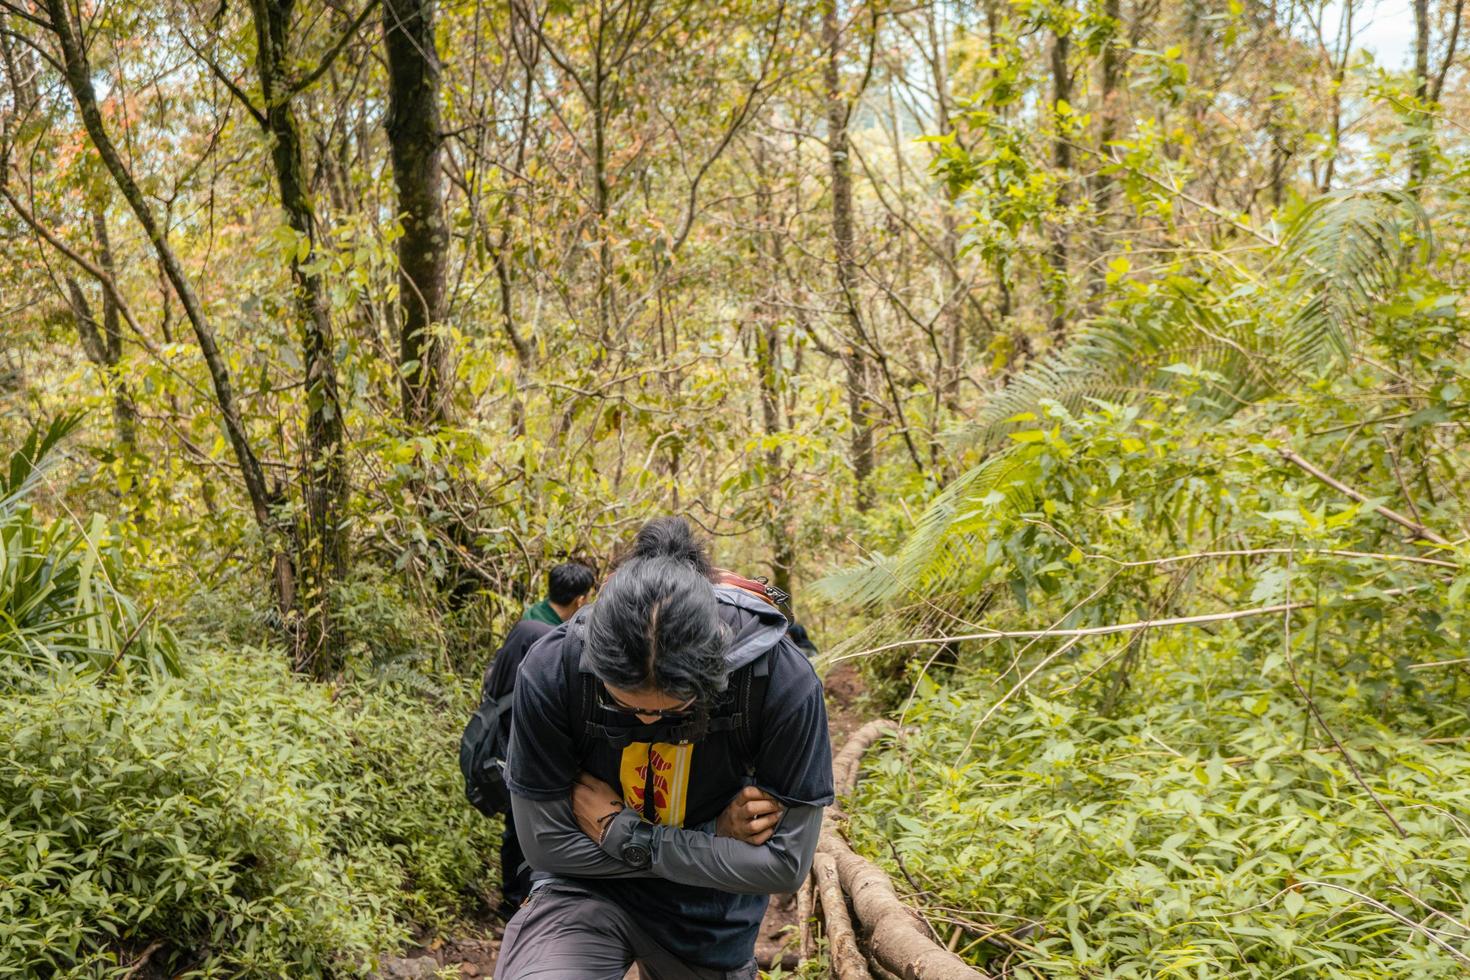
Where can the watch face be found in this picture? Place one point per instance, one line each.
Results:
(636, 855)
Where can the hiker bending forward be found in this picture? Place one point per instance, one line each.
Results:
(668, 766)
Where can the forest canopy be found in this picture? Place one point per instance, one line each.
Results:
(1092, 373)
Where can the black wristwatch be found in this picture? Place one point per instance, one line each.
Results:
(638, 848)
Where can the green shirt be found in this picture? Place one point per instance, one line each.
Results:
(542, 612)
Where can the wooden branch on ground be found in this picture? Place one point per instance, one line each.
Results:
(807, 947)
(848, 761)
(895, 935)
(842, 948)
(897, 939)
(879, 973)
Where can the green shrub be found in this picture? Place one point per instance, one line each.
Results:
(61, 601)
(1202, 836)
(250, 821)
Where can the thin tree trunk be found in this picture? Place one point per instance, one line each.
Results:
(601, 202)
(768, 363)
(769, 368)
(102, 342)
(1109, 96)
(954, 319)
(1428, 86)
(840, 167)
(324, 538)
(78, 76)
(1419, 154)
(124, 414)
(21, 68)
(416, 147)
(500, 249)
(1061, 81)
(1339, 76)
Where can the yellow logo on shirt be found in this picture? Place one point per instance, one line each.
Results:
(670, 779)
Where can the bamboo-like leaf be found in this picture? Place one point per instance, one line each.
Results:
(28, 463)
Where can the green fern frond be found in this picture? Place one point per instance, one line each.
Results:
(1345, 253)
(1121, 361)
(934, 553)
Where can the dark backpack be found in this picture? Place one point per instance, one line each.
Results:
(486, 738)
(482, 750)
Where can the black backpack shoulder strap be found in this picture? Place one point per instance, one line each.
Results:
(751, 693)
(581, 685)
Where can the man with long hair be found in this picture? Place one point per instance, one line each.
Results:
(669, 762)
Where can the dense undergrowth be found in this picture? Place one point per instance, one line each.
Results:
(1203, 836)
(253, 822)
(191, 804)
(1184, 654)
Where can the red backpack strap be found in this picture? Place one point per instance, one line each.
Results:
(756, 587)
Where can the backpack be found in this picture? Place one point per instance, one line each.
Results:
(482, 747)
(482, 752)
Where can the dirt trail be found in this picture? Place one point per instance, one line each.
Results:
(475, 956)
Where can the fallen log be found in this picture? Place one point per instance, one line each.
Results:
(804, 895)
(898, 941)
(842, 948)
(878, 972)
(849, 761)
(896, 936)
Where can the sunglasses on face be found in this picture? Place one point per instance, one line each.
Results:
(606, 700)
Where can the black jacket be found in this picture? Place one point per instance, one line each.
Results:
(500, 675)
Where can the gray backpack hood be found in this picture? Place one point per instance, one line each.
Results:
(755, 625)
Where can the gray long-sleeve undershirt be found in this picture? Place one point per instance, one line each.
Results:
(555, 844)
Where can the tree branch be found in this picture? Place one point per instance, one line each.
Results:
(228, 83)
(305, 82)
(1419, 529)
(1114, 627)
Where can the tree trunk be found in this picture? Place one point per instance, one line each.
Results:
(78, 76)
(954, 319)
(1109, 96)
(124, 414)
(768, 363)
(21, 68)
(854, 358)
(102, 342)
(769, 368)
(1419, 148)
(323, 540)
(500, 248)
(1427, 90)
(416, 148)
(1061, 81)
(600, 202)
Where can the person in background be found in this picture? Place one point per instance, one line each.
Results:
(798, 635)
(568, 585)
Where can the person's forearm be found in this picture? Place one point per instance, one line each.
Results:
(696, 857)
(555, 844)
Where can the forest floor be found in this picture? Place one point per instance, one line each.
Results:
(475, 955)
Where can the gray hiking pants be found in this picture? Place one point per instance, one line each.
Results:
(565, 932)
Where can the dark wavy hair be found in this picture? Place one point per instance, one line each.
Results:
(655, 625)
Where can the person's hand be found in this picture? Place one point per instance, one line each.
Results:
(751, 817)
(594, 804)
